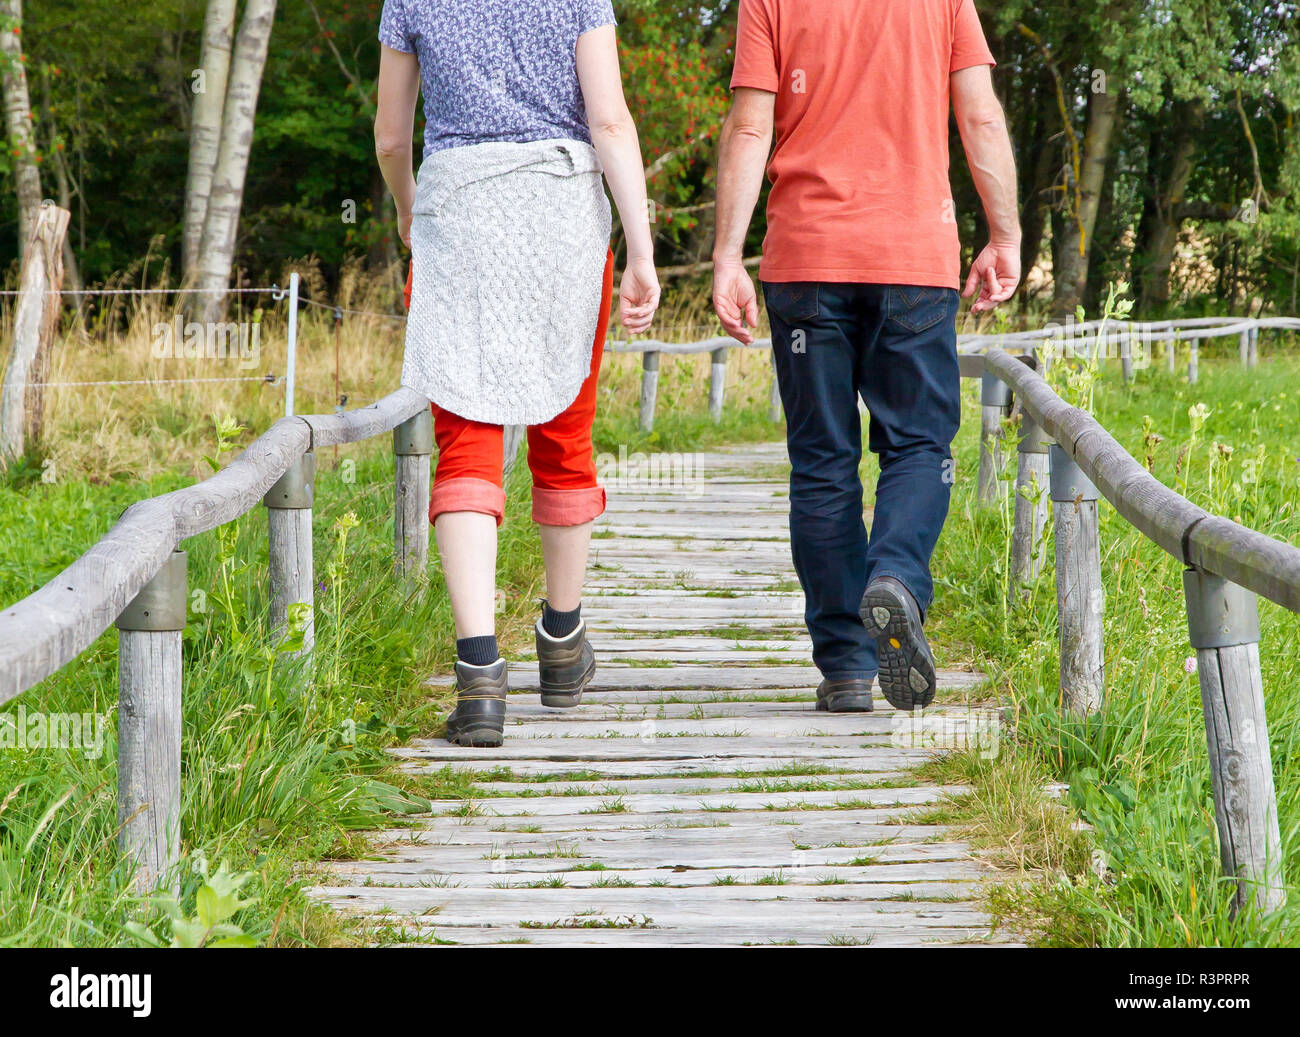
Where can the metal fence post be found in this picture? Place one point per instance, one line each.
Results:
(412, 448)
(649, 389)
(1223, 624)
(1079, 598)
(289, 513)
(717, 382)
(995, 404)
(149, 726)
(292, 363)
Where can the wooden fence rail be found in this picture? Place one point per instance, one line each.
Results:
(135, 575)
(1227, 566)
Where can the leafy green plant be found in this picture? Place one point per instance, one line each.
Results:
(207, 922)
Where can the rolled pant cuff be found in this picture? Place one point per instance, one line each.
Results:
(567, 507)
(466, 494)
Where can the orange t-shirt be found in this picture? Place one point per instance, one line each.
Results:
(860, 189)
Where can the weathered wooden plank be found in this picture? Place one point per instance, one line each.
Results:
(929, 880)
(523, 677)
(805, 750)
(722, 935)
(538, 806)
(682, 785)
(625, 768)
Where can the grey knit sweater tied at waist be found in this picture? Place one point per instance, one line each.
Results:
(509, 243)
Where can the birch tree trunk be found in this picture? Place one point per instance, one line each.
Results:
(35, 325)
(205, 125)
(1076, 245)
(221, 223)
(18, 120)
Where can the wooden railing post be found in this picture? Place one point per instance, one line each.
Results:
(149, 726)
(289, 512)
(1243, 348)
(649, 389)
(774, 406)
(1079, 599)
(717, 382)
(1223, 623)
(1252, 356)
(1193, 360)
(1033, 479)
(995, 404)
(1171, 354)
(1126, 354)
(412, 448)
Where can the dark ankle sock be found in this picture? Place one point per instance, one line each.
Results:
(478, 651)
(560, 624)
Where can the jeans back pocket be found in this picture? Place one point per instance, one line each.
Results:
(918, 308)
(792, 302)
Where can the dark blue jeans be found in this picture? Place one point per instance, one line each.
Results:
(896, 347)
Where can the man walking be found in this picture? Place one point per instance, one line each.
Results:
(860, 273)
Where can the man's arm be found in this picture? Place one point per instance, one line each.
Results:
(744, 146)
(992, 163)
(399, 92)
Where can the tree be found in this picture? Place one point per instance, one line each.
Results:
(221, 221)
(209, 85)
(18, 120)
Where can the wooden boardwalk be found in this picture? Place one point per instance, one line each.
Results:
(696, 797)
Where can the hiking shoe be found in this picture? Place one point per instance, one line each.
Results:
(891, 616)
(565, 666)
(844, 696)
(479, 719)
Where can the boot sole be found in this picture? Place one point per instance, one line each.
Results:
(907, 675)
(477, 736)
(568, 695)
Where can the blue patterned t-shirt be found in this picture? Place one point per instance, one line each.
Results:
(496, 70)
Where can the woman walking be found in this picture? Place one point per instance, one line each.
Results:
(510, 294)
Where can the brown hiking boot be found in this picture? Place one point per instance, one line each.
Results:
(479, 718)
(565, 666)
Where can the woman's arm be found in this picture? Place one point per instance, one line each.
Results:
(614, 135)
(399, 92)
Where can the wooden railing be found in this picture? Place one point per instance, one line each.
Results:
(1116, 339)
(1227, 566)
(135, 575)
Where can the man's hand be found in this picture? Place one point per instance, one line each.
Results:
(995, 276)
(638, 296)
(734, 300)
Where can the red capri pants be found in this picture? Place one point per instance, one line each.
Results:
(471, 454)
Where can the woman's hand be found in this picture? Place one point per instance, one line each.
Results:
(638, 295)
(404, 227)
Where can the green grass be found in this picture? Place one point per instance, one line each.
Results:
(278, 771)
